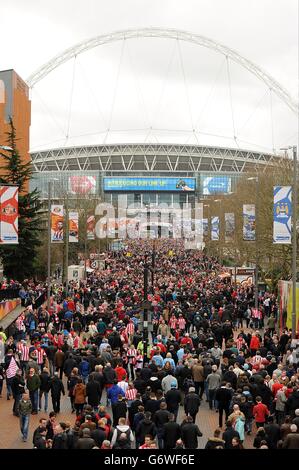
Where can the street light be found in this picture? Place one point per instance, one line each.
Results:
(256, 290)
(294, 238)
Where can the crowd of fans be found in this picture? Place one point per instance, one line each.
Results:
(209, 347)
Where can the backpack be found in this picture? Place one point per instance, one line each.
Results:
(187, 384)
(122, 443)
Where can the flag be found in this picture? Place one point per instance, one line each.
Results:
(91, 227)
(9, 215)
(215, 228)
(282, 214)
(56, 223)
(73, 227)
(249, 222)
(12, 368)
(229, 218)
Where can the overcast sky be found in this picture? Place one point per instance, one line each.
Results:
(172, 87)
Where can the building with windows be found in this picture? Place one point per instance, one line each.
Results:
(148, 174)
(15, 104)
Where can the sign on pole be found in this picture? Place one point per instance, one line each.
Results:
(73, 227)
(9, 214)
(229, 218)
(282, 214)
(215, 228)
(56, 223)
(249, 222)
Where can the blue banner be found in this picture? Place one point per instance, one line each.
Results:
(282, 214)
(215, 184)
(215, 228)
(149, 184)
(249, 222)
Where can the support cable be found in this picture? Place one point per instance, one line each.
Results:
(115, 89)
(230, 97)
(272, 122)
(71, 100)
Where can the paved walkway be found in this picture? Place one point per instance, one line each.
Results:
(10, 436)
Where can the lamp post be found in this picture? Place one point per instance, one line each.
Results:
(67, 233)
(145, 312)
(50, 183)
(294, 239)
(219, 241)
(256, 290)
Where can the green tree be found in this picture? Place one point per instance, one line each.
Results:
(19, 260)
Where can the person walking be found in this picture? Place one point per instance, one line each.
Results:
(260, 412)
(213, 381)
(171, 433)
(57, 388)
(79, 393)
(18, 389)
(173, 400)
(33, 384)
(24, 410)
(192, 403)
(190, 433)
(223, 396)
(45, 385)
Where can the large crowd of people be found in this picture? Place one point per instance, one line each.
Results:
(209, 347)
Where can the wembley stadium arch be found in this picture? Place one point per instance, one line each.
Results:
(144, 171)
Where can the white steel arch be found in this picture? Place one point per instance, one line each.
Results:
(83, 46)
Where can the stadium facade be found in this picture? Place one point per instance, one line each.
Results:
(148, 174)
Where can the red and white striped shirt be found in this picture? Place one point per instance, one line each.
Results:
(40, 355)
(24, 352)
(173, 323)
(139, 361)
(181, 323)
(130, 328)
(131, 394)
(12, 368)
(133, 353)
(20, 322)
(240, 342)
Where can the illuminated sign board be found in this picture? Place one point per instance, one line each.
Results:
(149, 184)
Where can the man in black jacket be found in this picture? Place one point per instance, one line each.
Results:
(56, 388)
(69, 365)
(161, 417)
(171, 432)
(190, 432)
(192, 403)
(223, 396)
(41, 441)
(60, 437)
(229, 434)
(272, 431)
(93, 392)
(173, 399)
(18, 388)
(145, 427)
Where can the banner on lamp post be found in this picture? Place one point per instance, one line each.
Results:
(229, 218)
(91, 227)
(57, 223)
(73, 227)
(282, 215)
(9, 215)
(205, 227)
(215, 228)
(249, 222)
